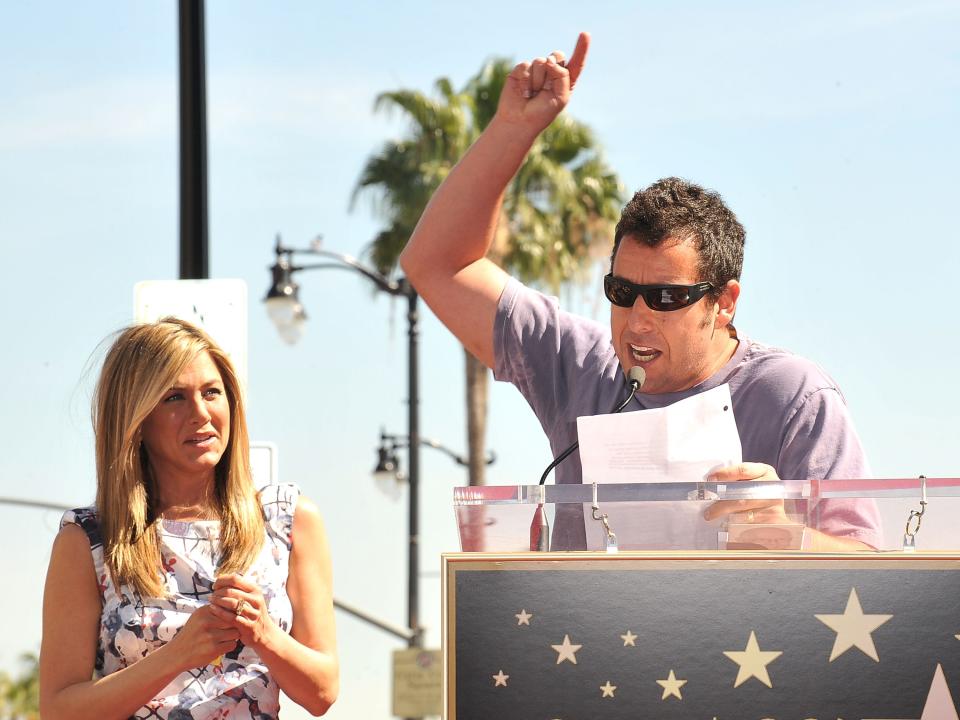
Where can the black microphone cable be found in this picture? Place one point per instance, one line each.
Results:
(636, 377)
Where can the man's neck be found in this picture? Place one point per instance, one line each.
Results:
(726, 349)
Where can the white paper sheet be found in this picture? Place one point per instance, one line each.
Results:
(679, 443)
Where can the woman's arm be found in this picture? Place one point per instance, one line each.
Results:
(71, 621)
(304, 663)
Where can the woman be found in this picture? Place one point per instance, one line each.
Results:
(183, 593)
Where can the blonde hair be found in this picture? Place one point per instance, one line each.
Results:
(141, 365)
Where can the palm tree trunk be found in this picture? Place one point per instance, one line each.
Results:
(477, 381)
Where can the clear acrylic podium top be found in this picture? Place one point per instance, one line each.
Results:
(912, 514)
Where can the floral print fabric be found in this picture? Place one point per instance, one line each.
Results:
(238, 685)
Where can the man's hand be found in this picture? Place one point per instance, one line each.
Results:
(536, 91)
(759, 510)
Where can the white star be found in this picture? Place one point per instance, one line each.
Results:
(523, 617)
(608, 690)
(939, 704)
(500, 679)
(753, 662)
(853, 628)
(628, 639)
(566, 651)
(671, 686)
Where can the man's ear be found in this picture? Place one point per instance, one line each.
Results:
(727, 304)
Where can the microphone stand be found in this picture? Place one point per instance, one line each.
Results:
(540, 526)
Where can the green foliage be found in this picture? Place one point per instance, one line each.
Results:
(561, 205)
(20, 697)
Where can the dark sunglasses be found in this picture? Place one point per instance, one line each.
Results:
(664, 298)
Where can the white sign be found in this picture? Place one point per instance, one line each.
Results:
(263, 464)
(417, 682)
(218, 306)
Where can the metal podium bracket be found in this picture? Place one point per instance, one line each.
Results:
(611, 537)
(914, 519)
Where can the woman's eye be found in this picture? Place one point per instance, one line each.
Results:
(172, 397)
(213, 392)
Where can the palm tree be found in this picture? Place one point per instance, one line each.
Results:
(20, 697)
(559, 207)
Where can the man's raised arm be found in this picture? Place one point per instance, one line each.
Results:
(446, 256)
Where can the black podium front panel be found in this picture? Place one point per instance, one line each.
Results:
(727, 635)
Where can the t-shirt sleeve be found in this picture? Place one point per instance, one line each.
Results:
(820, 442)
(549, 355)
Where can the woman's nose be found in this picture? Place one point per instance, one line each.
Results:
(200, 412)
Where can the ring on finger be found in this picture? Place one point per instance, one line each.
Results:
(241, 605)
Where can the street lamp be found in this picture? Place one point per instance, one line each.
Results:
(387, 472)
(283, 304)
(284, 308)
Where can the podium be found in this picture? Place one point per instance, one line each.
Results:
(621, 629)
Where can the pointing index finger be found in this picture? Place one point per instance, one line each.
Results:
(579, 57)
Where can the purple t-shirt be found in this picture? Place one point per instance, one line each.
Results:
(790, 414)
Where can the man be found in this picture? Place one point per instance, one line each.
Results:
(673, 287)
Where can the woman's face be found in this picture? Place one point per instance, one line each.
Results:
(187, 433)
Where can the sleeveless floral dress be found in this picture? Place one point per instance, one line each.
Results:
(238, 685)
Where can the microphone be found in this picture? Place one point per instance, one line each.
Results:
(636, 377)
(540, 528)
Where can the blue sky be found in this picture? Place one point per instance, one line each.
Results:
(829, 128)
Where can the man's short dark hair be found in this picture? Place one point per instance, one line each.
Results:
(678, 209)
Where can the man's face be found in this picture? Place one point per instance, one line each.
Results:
(680, 348)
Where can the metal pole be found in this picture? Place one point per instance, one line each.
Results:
(399, 632)
(193, 143)
(413, 422)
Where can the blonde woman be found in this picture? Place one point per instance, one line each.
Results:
(183, 593)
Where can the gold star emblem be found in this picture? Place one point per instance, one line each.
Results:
(853, 628)
(608, 690)
(671, 686)
(939, 704)
(500, 679)
(523, 617)
(753, 662)
(628, 639)
(566, 650)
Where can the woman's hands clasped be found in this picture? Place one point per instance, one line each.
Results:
(205, 636)
(239, 601)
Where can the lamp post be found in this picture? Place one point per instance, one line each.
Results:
(284, 308)
(387, 469)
